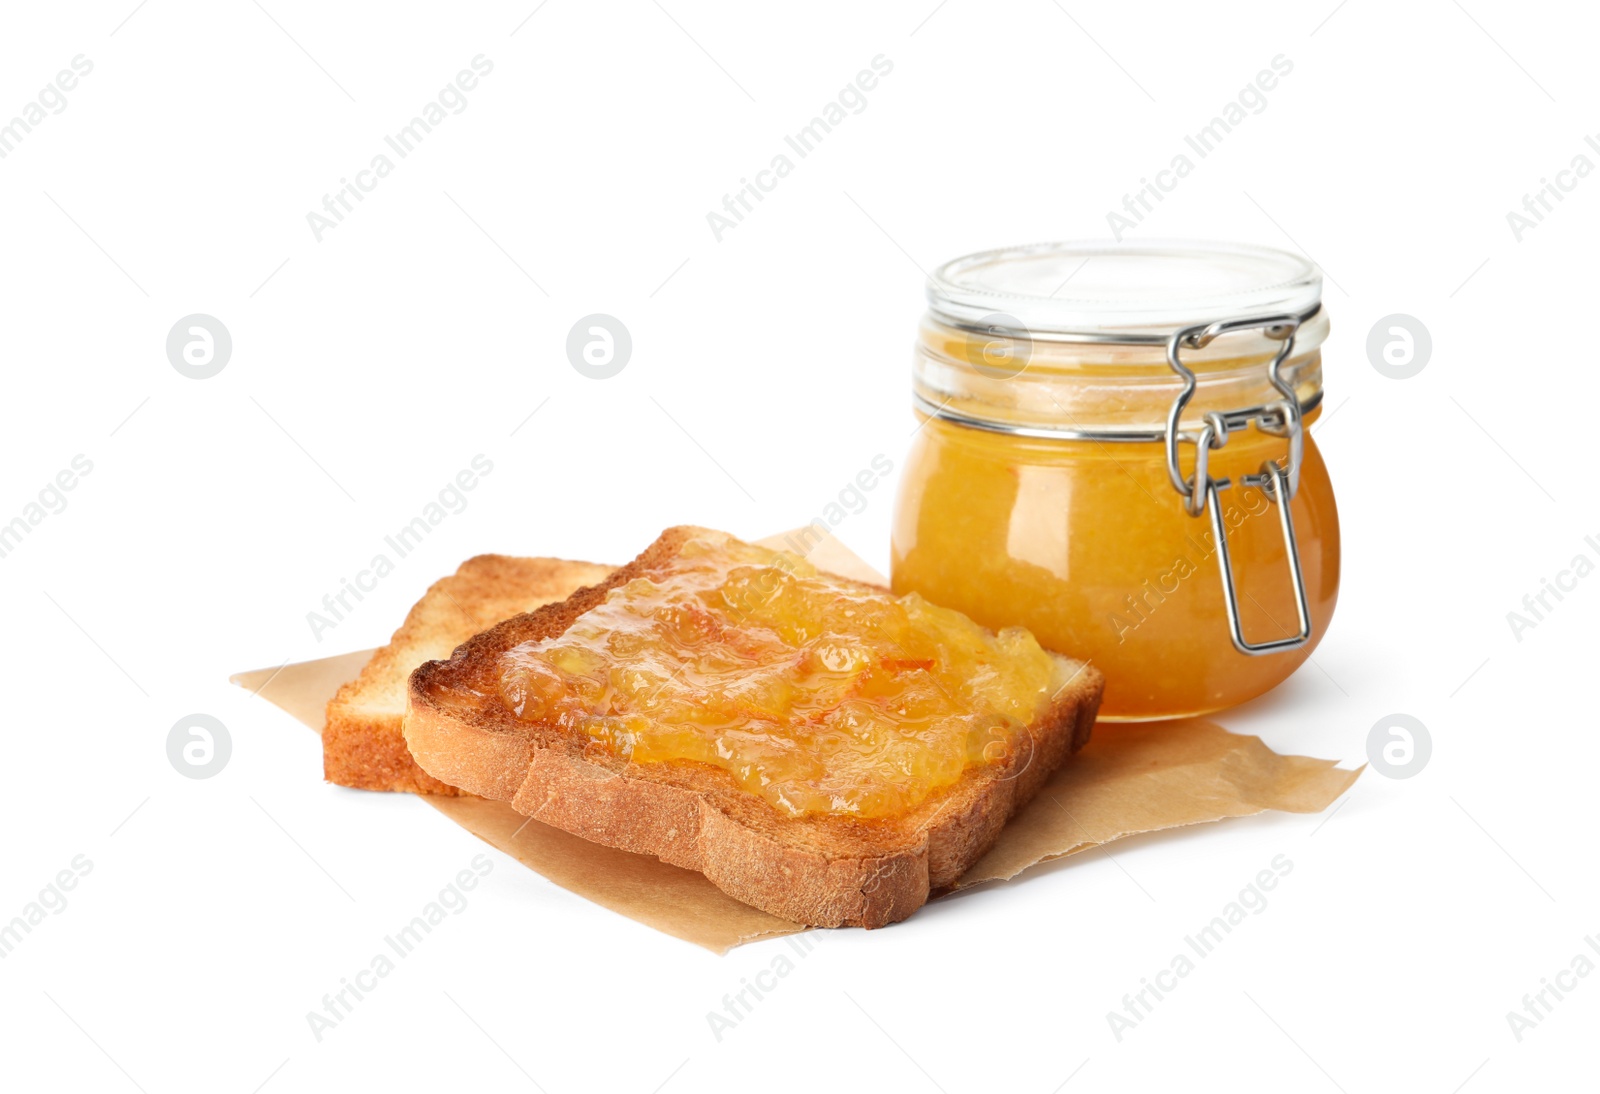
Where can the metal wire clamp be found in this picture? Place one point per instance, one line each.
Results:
(1200, 491)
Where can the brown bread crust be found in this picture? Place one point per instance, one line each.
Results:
(362, 742)
(824, 871)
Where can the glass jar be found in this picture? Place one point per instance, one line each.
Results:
(1107, 436)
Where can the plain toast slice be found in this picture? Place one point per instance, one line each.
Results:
(362, 744)
(823, 870)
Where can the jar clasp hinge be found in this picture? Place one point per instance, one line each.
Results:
(1279, 482)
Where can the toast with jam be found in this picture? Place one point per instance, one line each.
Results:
(362, 745)
(817, 747)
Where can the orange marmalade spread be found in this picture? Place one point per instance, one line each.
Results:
(817, 694)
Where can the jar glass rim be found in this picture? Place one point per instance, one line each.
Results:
(1138, 290)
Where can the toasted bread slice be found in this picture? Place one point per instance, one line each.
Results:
(362, 745)
(819, 869)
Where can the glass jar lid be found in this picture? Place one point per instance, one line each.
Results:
(1130, 292)
(1075, 340)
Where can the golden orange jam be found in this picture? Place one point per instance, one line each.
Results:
(817, 694)
(1088, 547)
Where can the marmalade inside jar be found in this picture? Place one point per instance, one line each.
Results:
(817, 694)
(1088, 546)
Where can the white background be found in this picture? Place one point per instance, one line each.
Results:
(768, 369)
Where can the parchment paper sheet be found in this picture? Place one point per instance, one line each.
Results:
(1129, 779)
